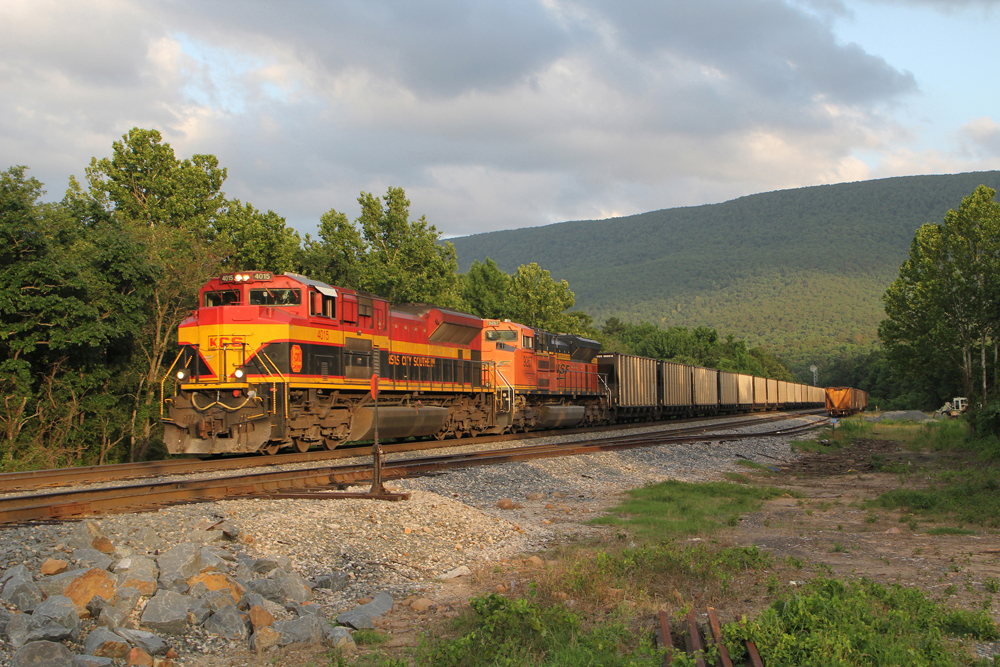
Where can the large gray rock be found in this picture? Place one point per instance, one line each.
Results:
(94, 661)
(303, 609)
(147, 641)
(147, 539)
(91, 558)
(227, 623)
(166, 612)
(199, 610)
(18, 628)
(336, 581)
(249, 600)
(295, 587)
(5, 616)
(211, 562)
(268, 588)
(20, 589)
(57, 610)
(106, 644)
(57, 583)
(362, 617)
(219, 599)
(306, 629)
(183, 560)
(128, 598)
(137, 564)
(43, 654)
(85, 535)
(338, 636)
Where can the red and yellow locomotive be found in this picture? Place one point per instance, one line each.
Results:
(270, 361)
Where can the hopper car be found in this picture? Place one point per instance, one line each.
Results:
(844, 401)
(280, 361)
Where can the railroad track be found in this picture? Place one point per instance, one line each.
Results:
(71, 503)
(695, 640)
(38, 479)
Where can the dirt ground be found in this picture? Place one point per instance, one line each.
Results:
(821, 523)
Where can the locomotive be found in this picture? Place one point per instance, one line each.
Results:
(269, 362)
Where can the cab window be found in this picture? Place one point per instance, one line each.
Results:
(225, 297)
(506, 336)
(527, 342)
(276, 297)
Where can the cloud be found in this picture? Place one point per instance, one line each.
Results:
(490, 115)
(984, 136)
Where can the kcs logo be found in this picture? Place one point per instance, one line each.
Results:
(216, 342)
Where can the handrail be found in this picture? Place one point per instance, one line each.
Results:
(164, 378)
(509, 388)
(284, 380)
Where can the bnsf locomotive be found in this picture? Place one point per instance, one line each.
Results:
(274, 361)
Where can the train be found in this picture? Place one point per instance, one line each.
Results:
(280, 361)
(845, 401)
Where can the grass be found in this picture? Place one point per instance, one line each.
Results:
(969, 496)
(949, 530)
(664, 511)
(832, 623)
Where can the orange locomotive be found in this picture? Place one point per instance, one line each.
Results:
(271, 361)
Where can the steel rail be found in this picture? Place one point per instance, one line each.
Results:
(70, 503)
(36, 479)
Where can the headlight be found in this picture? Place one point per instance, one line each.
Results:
(238, 373)
(181, 375)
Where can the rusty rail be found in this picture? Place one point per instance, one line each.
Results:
(695, 637)
(96, 500)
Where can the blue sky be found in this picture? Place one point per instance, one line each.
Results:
(497, 115)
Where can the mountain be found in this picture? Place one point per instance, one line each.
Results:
(799, 271)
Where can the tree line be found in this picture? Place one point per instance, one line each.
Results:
(94, 286)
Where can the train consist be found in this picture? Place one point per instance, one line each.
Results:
(844, 401)
(282, 361)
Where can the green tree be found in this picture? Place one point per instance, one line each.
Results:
(537, 300)
(168, 206)
(336, 257)
(487, 291)
(254, 240)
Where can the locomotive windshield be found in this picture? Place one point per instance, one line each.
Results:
(226, 297)
(275, 297)
(493, 334)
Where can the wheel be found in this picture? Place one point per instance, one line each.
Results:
(271, 449)
(459, 434)
(302, 445)
(330, 443)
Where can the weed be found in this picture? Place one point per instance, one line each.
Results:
(951, 590)
(840, 526)
(950, 530)
(824, 506)
(370, 637)
(991, 585)
(843, 623)
(838, 548)
(871, 517)
(912, 525)
(767, 523)
(736, 477)
(794, 562)
(759, 467)
(658, 512)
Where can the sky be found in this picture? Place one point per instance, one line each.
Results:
(510, 113)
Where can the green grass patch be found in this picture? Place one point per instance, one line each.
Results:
(736, 477)
(754, 465)
(660, 512)
(949, 530)
(831, 623)
(964, 496)
(367, 636)
(502, 631)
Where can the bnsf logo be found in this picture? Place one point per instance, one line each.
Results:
(216, 342)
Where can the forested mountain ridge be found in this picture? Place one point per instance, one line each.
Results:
(800, 271)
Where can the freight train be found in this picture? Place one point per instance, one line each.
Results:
(272, 361)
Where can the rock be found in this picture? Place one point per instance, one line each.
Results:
(227, 623)
(205, 536)
(128, 598)
(173, 582)
(166, 612)
(89, 558)
(5, 616)
(263, 565)
(259, 617)
(17, 629)
(43, 654)
(216, 600)
(183, 560)
(249, 600)
(57, 583)
(52, 566)
(94, 661)
(58, 610)
(265, 638)
(334, 582)
(147, 539)
(362, 617)
(92, 582)
(210, 562)
(199, 611)
(894, 531)
(139, 658)
(505, 504)
(229, 531)
(269, 589)
(85, 534)
(460, 571)
(306, 630)
(303, 609)
(535, 496)
(103, 545)
(216, 581)
(144, 582)
(536, 561)
(104, 643)
(111, 618)
(147, 641)
(294, 586)
(421, 605)
(339, 637)
(20, 589)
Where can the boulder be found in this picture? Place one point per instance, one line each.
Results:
(5, 616)
(295, 587)
(138, 658)
(87, 535)
(460, 571)
(20, 589)
(147, 540)
(94, 661)
(216, 600)
(269, 589)
(334, 582)
(259, 617)
(303, 609)
(183, 560)
(57, 610)
(227, 623)
(43, 654)
(362, 617)
(264, 565)
(105, 643)
(166, 612)
(53, 566)
(306, 629)
(249, 600)
(265, 638)
(111, 618)
(90, 558)
(339, 637)
(215, 581)
(210, 562)
(147, 641)
(57, 583)
(229, 531)
(144, 582)
(17, 629)
(128, 598)
(199, 610)
(89, 584)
